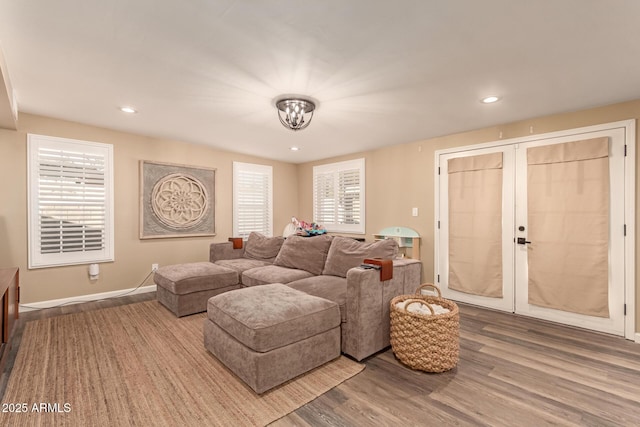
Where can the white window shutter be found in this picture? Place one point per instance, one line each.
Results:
(338, 196)
(325, 199)
(349, 193)
(252, 199)
(70, 200)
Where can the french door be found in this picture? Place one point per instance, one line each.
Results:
(536, 226)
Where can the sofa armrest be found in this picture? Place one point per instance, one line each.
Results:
(218, 251)
(412, 274)
(368, 306)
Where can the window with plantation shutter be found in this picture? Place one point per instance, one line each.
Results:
(338, 196)
(252, 199)
(70, 201)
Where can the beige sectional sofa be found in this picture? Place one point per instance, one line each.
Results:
(322, 266)
(278, 308)
(328, 267)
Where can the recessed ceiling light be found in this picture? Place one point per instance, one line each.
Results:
(129, 110)
(294, 148)
(490, 99)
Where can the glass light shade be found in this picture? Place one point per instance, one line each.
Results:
(295, 114)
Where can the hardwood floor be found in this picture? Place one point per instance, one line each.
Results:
(513, 371)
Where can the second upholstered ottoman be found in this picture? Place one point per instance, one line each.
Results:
(185, 288)
(270, 334)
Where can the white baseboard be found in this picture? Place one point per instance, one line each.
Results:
(637, 340)
(85, 298)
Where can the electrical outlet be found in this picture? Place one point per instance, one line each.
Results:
(154, 267)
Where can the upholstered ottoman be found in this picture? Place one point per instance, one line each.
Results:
(185, 288)
(270, 334)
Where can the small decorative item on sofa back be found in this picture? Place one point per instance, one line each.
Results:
(307, 229)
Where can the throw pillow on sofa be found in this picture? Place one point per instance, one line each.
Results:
(346, 253)
(304, 253)
(262, 248)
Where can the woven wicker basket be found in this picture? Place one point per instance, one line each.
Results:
(427, 343)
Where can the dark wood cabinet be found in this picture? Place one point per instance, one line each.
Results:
(10, 291)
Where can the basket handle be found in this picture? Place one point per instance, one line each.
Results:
(408, 302)
(429, 285)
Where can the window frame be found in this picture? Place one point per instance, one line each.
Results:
(335, 170)
(266, 170)
(37, 259)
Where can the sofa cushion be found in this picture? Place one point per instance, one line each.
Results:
(272, 274)
(272, 316)
(262, 248)
(346, 253)
(241, 264)
(328, 287)
(304, 253)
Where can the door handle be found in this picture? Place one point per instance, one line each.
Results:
(522, 241)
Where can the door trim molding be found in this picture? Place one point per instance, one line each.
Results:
(629, 200)
(630, 222)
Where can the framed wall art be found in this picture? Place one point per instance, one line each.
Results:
(176, 200)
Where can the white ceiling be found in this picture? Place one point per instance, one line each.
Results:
(384, 72)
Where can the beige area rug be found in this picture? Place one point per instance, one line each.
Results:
(139, 365)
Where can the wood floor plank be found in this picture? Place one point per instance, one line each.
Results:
(570, 370)
(593, 351)
(494, 408)
(587, 400)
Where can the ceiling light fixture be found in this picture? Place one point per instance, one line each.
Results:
(295, 113)
(129, 110)
(490, 99)
(294, 148)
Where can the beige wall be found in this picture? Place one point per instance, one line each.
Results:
(401, 177)
(133, 257)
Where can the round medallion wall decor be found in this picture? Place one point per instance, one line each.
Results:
(179, 201)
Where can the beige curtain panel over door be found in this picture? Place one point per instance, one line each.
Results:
(475, 225)
(568, 216)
